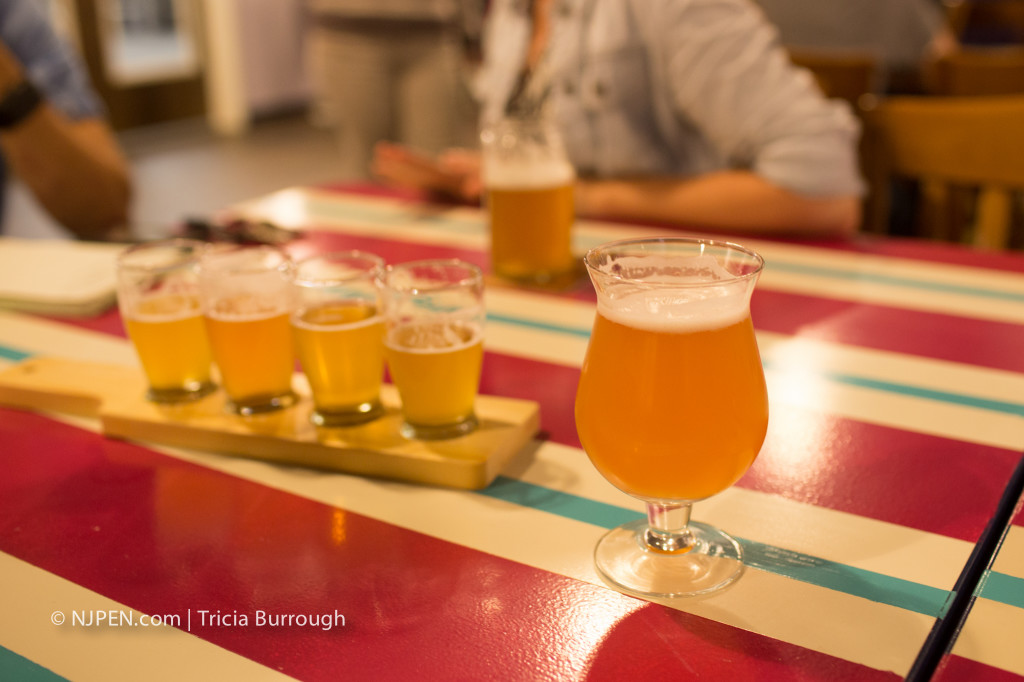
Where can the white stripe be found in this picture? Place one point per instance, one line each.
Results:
(802, 374)
(992, 635)
(31, 596)
(391, 219)
(43, 337)
(1010, 559)
(798, 375)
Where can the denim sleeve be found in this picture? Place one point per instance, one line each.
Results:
(49, 62)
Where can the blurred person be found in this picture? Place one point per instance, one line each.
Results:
(53, 133)
(677, 111)
(905, 36)
(391, 69)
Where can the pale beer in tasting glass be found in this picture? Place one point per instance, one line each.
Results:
(339, 335)
(528, 182)
(247, 305)
(158, 295)
(434, 344)
(671, 406)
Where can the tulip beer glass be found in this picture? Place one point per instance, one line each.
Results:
(529, 188)
(247, 302)
(434, 344)
(671, 406)
(338, 327)
(158, 293)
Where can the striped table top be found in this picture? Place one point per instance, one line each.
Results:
(896, 382)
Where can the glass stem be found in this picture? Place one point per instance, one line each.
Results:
(668, 528)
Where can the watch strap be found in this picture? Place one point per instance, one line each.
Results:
(18, 103)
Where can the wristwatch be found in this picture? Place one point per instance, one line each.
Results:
(18, 103)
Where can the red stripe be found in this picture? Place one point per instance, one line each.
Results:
(899, 330)
(914, 249)
(818, 458)
(106, 323)
(164, 536)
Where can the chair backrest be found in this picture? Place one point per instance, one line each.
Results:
(948, 142)
(847, 75)
(986, 21)
(973, 71)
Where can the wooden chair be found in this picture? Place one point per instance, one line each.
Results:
(978, 71)
(950, 143)
(986, 21)
(844, 75)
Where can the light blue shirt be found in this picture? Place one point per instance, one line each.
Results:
(49, 63)
(677, 88)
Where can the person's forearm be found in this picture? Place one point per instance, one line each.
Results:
(729, 201)
(73, 168)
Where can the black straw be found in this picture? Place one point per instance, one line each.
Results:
(947, 627)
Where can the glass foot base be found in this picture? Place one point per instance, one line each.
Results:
(353, 416)
(624, 561)
(185, 394)
(440, 431)
(261, 404)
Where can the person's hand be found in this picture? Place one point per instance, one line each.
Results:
(455, 174)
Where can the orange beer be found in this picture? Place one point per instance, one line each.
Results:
(341, 348)
(251, 341)
(531, 229)
(671, 410)
(436, 368)
(170, 339)
(529, 188)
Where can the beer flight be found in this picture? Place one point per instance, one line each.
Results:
(250, 312)
(671, 406)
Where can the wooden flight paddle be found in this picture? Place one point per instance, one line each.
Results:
(114, 394)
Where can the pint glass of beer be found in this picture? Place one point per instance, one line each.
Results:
(434, 344)
(671, 405)
(158, 294)
(528, 183)
(338, 327)
(246, 293)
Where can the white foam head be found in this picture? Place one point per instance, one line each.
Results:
(695, 295)
(522, 173)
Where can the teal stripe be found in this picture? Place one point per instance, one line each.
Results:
(392, 215)
(15, 667)
(961, 399)
(543, 326)
(13, 354)
(905, 282)
(559, 503)
(877, 587)
(930, 394)
(1003, 588)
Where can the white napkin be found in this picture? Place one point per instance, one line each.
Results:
(57, 277)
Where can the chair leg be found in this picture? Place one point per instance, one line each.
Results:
(992, 223)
